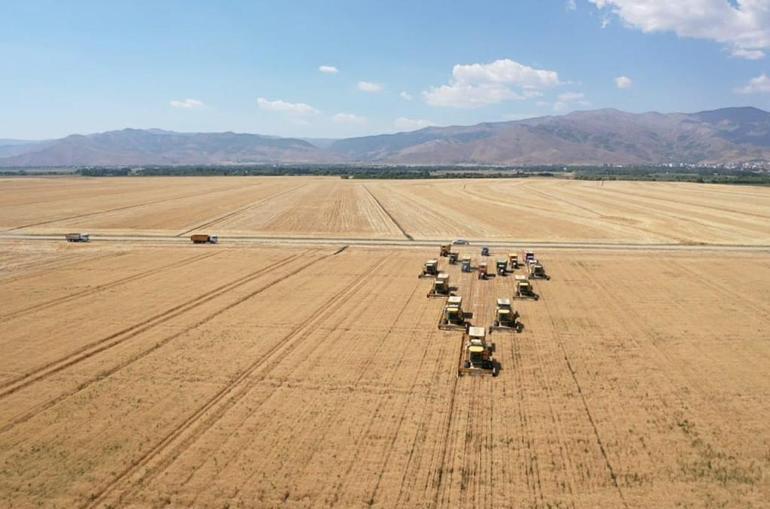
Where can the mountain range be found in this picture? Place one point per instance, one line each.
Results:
(606, 136)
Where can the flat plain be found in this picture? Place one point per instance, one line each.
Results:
(140, 370)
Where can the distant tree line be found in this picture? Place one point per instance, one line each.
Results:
(395, 172)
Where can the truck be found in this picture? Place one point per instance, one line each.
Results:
(77, 237)
(204, 238)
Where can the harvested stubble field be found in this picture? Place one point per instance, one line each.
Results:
(158, 373)
(495, 209)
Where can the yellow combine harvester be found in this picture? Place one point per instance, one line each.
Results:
(430, 269)
(440, 286)
(506, 318)
(453, 316)
(537, 271)
(476, 357)
(524, 288)
(513, 261)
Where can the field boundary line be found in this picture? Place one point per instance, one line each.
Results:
(387, 213)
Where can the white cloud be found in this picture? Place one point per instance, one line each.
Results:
(348, 118)
(328, 69)
(411, 124)
(368, 86)
(406, 96)
(758, 85)
(623, 82)
(570, 99)
(475, 85)
(187, 104)
(743, 26)
(571, 5)
(285, 107)
(748, 54)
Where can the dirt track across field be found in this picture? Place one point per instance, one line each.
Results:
(251, 374)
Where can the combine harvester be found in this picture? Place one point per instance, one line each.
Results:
(204, 238)
(529, 256)
(453, 316)
(440, 286)
(502, 266)
(537, 271)
(476, 356)
(430, 269)
(483, 274)
(485, 251)
(524, 288)
(77, 237)
(466, 263)
(445, 249)
(452, 258)
(513, 261)
(506, 318)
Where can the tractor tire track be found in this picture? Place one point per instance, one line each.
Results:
(573, 374)
(341, 485)
(359, 306)
(106, 286)
(440, 478)
(59, 263)
(103, 344)
(212, 411)
(416, 450)
(721, 288)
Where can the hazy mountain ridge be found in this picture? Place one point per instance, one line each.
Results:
(155, 146)
(587, 137)
(606, 136)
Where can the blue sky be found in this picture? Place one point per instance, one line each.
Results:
(254, 66)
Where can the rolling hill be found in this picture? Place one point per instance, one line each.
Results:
(607, 136)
